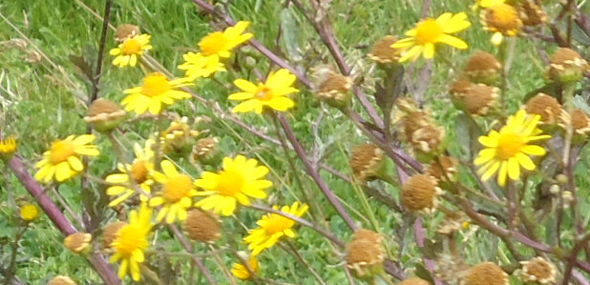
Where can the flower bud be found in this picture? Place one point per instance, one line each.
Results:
(104, 115)
(566, 65)
(78, 242)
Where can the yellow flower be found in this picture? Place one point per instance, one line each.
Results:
(213, 47)
(429, 32)
(272, 227)
(240, 178)
(156, 91)
(29, 212)
(176, 194)
(271, 93)
(131, 241)
(239, 270)
(8, 147)
(505, 151)
(63, 160)
(132, 48)
(486, 3)
(139, 170)
(502, 20)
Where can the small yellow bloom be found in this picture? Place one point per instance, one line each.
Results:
(502, 20)
(156, 91)
(131, 241)
(8, 147)
(63, 160)
(139, 170)
(128, 52)
(176, 194)
(422, 40)
(486, 3)
(29, 212)
(213, 47)
(239, 270)
(272, 227)
(240, 178)
(271, 93)
(509, 149)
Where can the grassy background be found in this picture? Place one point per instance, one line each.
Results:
(42, 98)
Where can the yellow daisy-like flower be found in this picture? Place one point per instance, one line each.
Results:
(239, 270)
(156, 91)
(240, 178)
(176, 193)
(131, 241)
(132, 48)
(8, 147)
(139, 170)
(509, 149)
(486, 3)
(213, 47)
(271, 93)
(429, 32)
(503, 20)
(62, 162)
(29, 212)
(272, 227)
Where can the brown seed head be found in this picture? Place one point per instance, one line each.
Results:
(449, 168)
(382, 51)
(333, 89)
(205, 149)
(61, 280)
(538, 270)
(366, 161)
(368, 235)
(110, 233)
(531, 13)
(579, 119)
(486, 273)
(460, 86)
(482, 63)
(427, 138)
(126, 31)
(502, 18)
(104, 115)
(479, 99)
(78, 242)
(364, 253)
(566, 65)
(420, 193)
(201, 226)
(545, 106)
(414, 281)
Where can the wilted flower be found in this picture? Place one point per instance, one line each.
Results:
(382, 51)
(566, 65)
(364, 254)
(104, 115)
(579, 121)
(483, 67)
(78, 242)
(126, 31)
(205, 150)
(479, 99)
(538, 270)
(420, 194)
(367, 161)
(202, 226)
(485, 273)
(332, 88)
(449, 169)
(545, 106)
(414, 281)
(531, 13)
(109, 233)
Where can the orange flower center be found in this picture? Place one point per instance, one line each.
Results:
(277, 224)
(139, 172)
(230, 182)
(129, 239)
(509, 145)
(428, 31)
(213, 43)
(131, 46)
(177, 188)
(61, 150)
(503, 17)
(155, 84)
(263, 92)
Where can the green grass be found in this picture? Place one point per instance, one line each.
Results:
(44, 100)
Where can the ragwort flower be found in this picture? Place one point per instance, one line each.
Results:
(130, 50)
(62, 161)
(139, 170)
(131, 241)
(486, 3)
(8, 147)
(272, 227)
(176, 194)
(502, 20)
(240, 179)
(213, 47)
(509, 149)
(268, 94)
(429, 32)
(156, 91)
(239, 270)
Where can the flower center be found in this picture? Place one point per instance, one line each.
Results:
(129, 238)
(230, 182)
(155, 84)
(503, 17)
(131, 46)
(139, 172)
(278, 224)
(263, 92)
(177, 188)
(509, 145)
(428, 31)
(61, 150)
(213, 43)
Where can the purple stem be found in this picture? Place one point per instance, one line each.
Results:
(428, 263)
(96, 260)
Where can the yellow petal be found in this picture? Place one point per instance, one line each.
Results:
(513, 168)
